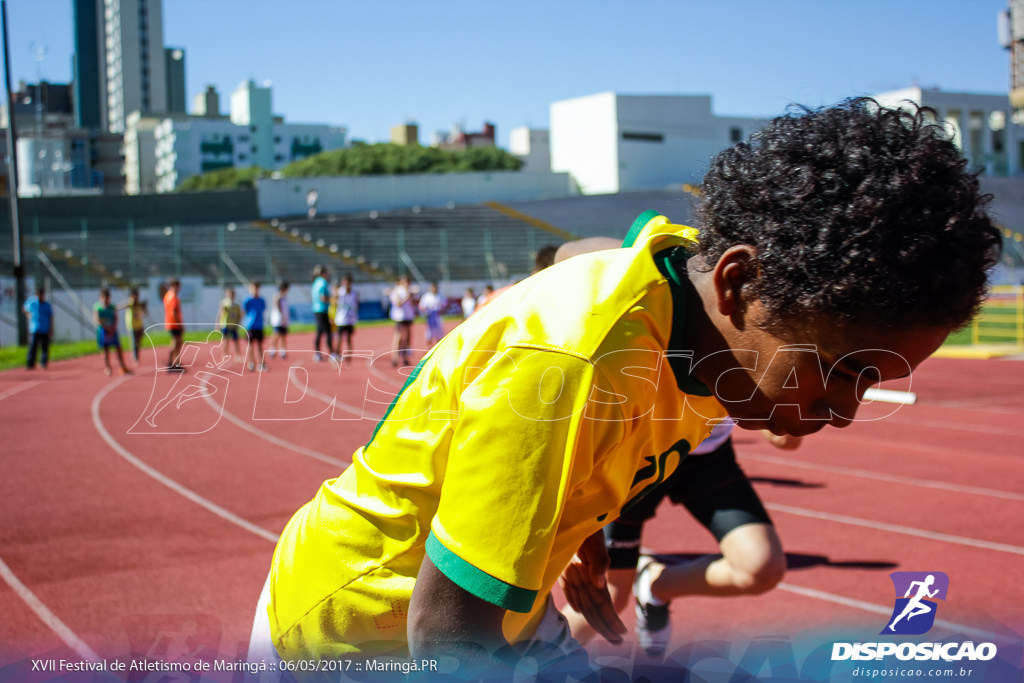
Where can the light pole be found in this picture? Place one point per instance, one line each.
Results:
(12, 189)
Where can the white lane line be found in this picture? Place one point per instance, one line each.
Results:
(377, 373)
(46, 616)
(267, 436)
(165, 480)
(896, 528)
(18, 388)
(887, 611)
(959, 426)
(893, 478)
(982, 404)
(332, 400)
(889, 445)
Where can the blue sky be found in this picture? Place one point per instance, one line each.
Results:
(370, 64)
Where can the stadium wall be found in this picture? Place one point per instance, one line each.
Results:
(341, 194)
(192, 207)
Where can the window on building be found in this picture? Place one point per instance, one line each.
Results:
(643, 137)
(243, 138)
(277, 139)
(735, 134)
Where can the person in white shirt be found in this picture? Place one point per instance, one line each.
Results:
(403, 312)
(431, 305)
(468, 303)
(279, 317)
(346, 316)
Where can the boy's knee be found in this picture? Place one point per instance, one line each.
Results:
(762, 576)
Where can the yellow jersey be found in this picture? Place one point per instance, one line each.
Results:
(526, 430)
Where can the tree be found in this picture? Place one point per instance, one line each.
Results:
(391, 159)
(361, 160)
(224, 179)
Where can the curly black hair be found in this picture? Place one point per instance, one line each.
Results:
(859, 213)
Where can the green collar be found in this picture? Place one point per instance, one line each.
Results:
(671, 263)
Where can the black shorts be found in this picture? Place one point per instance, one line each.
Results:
(255, 334)
(346, 329)
(712, 487)
(323, 322)
(281, 329)
(177, 333)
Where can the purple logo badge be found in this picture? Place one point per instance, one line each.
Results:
(914, 611)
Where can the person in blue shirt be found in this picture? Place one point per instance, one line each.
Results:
(321, 296)
(254, 308)
(40, 328)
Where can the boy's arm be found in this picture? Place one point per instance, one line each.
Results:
(586, 589)
(446, 620)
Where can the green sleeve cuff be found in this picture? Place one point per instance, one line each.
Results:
(478, 582)
(638, 226)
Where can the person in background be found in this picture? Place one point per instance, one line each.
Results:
(468, 303)
(135, 320)
(254, 307)
(279, 321)
(320, 293)
(714, 489)
(105, 316)
(541, 260)
(346, 316)
(175, 324)
(431, 305)
(486, 296)
(403, 312)
(229, 320)
(39, 312)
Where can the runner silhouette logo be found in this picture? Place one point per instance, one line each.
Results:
(915, 606)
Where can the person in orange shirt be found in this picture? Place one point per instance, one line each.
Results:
(174, 324)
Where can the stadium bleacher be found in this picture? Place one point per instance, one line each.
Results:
(472, 242)
(459, 242)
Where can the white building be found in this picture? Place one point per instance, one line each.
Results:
(140, 152)
(43, 165)
(613, 143)
(532, 146)
(982, 125)
(251, 106)
(252, 136)
(134, 77)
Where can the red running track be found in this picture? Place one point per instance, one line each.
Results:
(127, 537)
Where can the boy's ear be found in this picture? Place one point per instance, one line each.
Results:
(736, 267)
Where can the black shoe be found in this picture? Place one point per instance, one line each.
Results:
(653, 627)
